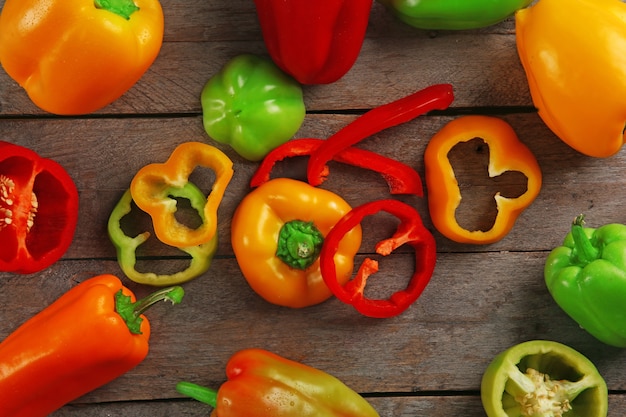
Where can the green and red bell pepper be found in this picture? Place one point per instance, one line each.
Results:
(264, 384)
(251, 105)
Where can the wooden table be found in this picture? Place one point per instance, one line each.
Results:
(426, 362)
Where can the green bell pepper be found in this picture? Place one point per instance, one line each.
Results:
(126, 246)
(453, 14)
(586, 276)
(251, 105)
(541, 378)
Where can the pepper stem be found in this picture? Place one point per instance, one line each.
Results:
(123, 8)
(198, 392)
(299, 244)
(585, 251)
(131, 312)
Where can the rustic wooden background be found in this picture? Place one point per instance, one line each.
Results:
(425, 362)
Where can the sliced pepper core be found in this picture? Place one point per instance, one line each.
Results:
(541, 378)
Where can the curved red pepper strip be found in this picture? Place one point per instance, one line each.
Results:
(435, 97)
(402, 179)
(411, 230)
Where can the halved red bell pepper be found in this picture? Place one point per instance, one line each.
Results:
(316, 42)
(38, 210)
(410, 230)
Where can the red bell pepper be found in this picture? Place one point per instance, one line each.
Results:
(402, 179)
(435, 97)
(38, 210)
(410, 230)
(316, 42)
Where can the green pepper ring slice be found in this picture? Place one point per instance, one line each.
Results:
(571, 381)
(126, 246)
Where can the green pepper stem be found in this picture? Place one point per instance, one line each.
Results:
(198, 392)
(585, 251)
(299, 244)
(131, 312)
(124, 8)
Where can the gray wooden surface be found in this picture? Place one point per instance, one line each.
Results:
(425, 362)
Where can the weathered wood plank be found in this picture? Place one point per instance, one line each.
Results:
(91, 149)
(491, 77)
(475, 306)
(416, 406)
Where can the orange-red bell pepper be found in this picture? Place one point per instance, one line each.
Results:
(277, 233)
(507, 153)
(151, 186)
(77, 56)
(92, 334)
(263, 384)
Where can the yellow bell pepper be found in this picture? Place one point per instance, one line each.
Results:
(506, 153)
(78, 56)
(573, 55)
(277, 232)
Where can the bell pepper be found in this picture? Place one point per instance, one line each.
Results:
(401, 178)
(409, 231)
(78, 56)
(251, 105)
(453, 14)
(92, 334)
(572, 53)
(126, 246)
(586, 276)
(268, 385)
(277, 232)
(506, 153)
(38, 210)
(542, 378)
(151, 185)
(434, 97)
(316, 42)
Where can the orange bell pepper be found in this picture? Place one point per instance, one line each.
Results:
(507, 153)
(277, 233)
(150, 190)
(92, 334)
(573, 55)
(77, 56)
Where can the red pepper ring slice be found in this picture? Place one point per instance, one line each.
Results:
(435, 97)
(401, 178)
(411, 231)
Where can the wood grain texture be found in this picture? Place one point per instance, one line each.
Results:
(426, 362)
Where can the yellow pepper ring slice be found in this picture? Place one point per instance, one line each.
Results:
(507, 153)
(149, 189)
